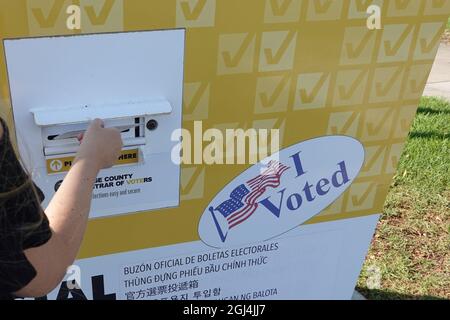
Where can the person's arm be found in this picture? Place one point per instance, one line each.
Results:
(69, 208)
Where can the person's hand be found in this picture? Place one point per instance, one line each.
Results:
(100, 146)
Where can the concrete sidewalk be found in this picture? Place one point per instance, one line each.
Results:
(439, 81)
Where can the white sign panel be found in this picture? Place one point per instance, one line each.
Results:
(133, 81)
(312, 255)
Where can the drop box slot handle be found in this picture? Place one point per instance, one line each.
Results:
(62, 116)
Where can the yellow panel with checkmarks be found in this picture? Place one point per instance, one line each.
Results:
(358, 46)
(358, 8)
(350, 86)
(417, 79)
(312, 91)
(387, 84)
(272, 94)
(334, 208)
(192, 183)
(393, 159)
(437, 7)
(196, 100)
(102, 16)
(344, 123)
(278, 50)
(362, 196)
(308, 68)
(378, 124)
(403, 8)
(282, 11)
(375, 156)
(236, 53)
(428, 40)
(404, 121)
(47, 17)
(196, 13)
(323, 10)
(271, 124)
(396, 42)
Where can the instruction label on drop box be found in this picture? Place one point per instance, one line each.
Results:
(61, 165)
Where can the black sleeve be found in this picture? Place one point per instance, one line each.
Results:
(23, 224)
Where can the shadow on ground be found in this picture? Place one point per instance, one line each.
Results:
(426, 110)
(429, 135)
(391, 295)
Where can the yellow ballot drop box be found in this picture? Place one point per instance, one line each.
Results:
(326, 89)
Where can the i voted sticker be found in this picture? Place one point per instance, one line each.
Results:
(282, 192)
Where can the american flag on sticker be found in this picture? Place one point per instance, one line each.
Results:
(243, 200)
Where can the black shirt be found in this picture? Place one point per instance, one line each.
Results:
(23, 224)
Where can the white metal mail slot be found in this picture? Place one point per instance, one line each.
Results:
(70, 115)
(61, 127)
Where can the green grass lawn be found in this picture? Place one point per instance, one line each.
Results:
(411, 247)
